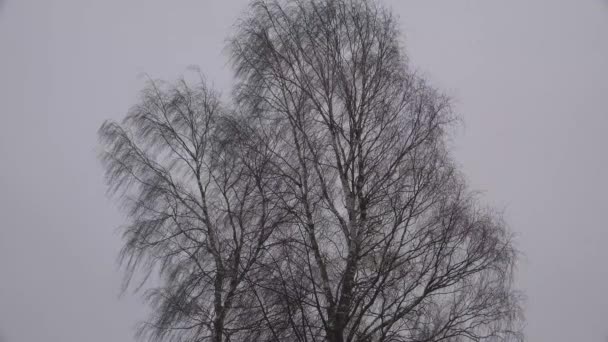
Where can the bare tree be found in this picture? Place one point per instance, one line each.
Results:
(386, 243)
(324, 206)
(199, 209)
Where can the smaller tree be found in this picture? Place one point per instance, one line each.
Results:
(199, 207)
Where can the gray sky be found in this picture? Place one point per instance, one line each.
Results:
(529, 77)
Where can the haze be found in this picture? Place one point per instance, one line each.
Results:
(529, 78)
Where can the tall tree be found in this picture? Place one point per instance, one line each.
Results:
(387, 244)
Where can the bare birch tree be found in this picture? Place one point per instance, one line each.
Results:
(321, 205)
(386, 243)
(199, 209)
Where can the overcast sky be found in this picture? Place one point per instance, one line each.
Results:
(530, 79)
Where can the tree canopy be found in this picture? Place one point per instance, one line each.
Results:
(320, 204)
